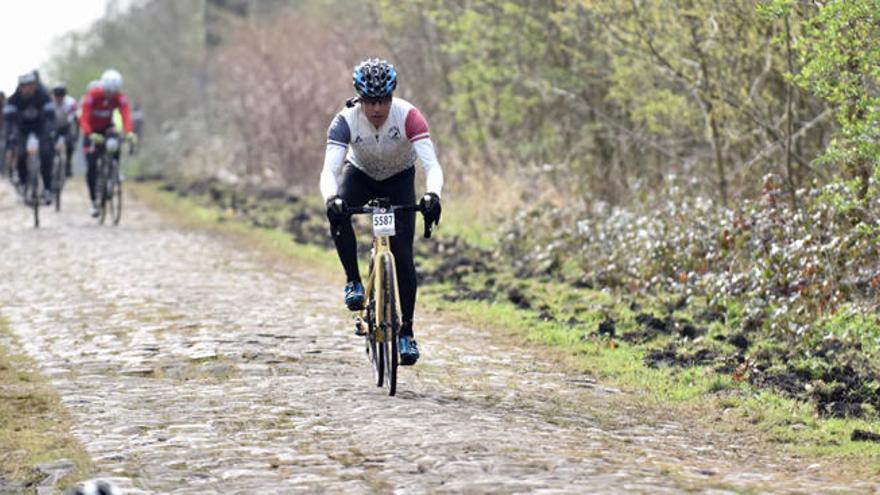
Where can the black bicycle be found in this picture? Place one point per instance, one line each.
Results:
(31, 186)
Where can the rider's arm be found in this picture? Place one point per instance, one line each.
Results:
(49, 114)
(86, 116)
(125, 112)
(9, 113)
(418, 134)
(338, 137)
(433, 172)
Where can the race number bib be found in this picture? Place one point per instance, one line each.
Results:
(383, 224)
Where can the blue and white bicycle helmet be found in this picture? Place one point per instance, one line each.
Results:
(374, 79)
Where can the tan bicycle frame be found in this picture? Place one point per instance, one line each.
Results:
(380, 256)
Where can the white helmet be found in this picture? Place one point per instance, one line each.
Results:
(111, 81)
(28, 77)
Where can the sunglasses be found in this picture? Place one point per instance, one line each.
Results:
(375, 101)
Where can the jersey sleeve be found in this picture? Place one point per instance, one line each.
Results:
(416, 126)
(334, 156)
(86, 116)
(433, 173)
(339, 134)
(49, 114)
(125, 112)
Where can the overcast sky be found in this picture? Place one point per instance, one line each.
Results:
(28, 28)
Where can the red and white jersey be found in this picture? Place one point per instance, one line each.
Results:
(97, 111)
(383, 152)
(380, 153)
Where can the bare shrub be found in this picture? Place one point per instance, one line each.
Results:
(281, 81)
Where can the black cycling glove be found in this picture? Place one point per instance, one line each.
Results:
(336, 209)
(430, 204)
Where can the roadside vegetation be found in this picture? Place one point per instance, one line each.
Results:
(34, 427)
(671, 353)
(671, 190)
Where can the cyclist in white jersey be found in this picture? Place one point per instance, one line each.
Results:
(372, 148)
(66, 121)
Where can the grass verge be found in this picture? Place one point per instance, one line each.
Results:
(34, 426)
(717, 400)
(699, 393)
(189, 213)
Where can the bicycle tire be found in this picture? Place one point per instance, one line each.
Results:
(391, 325)
(115, 193)
(34, 188)
(101, 186)
(376, 360)
(58, 180)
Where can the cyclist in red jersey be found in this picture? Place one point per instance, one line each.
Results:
(96, 123)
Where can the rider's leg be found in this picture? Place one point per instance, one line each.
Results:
(355, 189)
(401, 190)
(69, 143)
(21, 162)
(92, 166)
(47, 155)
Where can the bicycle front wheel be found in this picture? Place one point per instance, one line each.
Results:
(114, 184)
(58, 180)
(374, 347)
(390, 325)
(33, 189)
(101, 189)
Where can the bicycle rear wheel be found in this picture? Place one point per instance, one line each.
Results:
(391, 325)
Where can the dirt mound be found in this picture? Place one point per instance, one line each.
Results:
(672, 355)
(653, 327)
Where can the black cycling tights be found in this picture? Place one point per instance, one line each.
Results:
(92, 152)
(47, 154)
(356, 188)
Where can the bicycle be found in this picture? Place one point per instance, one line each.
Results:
(379, 321)
(109, 181)
(31, 190)
(59, 171)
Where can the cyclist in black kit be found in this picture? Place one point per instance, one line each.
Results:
(31, 110)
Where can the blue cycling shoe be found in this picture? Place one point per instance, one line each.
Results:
(354, 296)
(409, 351)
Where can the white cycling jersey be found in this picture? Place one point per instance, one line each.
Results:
(66, 112)
(380, 153)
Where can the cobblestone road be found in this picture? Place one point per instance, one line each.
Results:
(192, 364)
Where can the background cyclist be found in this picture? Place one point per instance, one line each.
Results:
(67, 123)
(97, 122)
(31, 110)
(375, 141)
(2, 134)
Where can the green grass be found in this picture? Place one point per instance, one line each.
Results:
(189, 213)
(781, 422)
(34, 426)
(458, 219)
(699, 393)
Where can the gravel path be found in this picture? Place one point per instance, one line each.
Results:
(193, 364)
